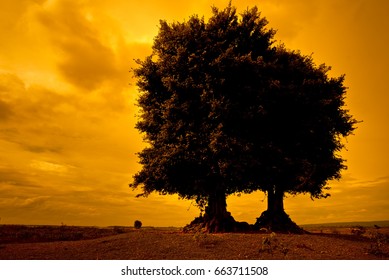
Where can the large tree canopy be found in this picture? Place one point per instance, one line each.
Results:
(224, 111)
(300, 130)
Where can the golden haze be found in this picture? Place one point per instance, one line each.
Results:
(67, 114)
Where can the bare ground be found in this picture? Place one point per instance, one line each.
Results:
(76, 243)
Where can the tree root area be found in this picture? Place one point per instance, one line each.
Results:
(217, 225)
(277, 222)
(267, 222)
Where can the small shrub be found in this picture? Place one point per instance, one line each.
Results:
(269, 243)
(137, 224)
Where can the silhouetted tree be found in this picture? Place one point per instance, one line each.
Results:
(137, 224)
(223, 111)
(299, 133)
(194, 86)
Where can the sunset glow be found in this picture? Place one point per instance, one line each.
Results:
(67, 108)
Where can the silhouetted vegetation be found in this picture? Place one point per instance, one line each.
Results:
(137, 224)
(226, 111)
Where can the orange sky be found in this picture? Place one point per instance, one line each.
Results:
(67, 114)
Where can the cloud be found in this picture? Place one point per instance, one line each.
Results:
(72, 148)
(350, 200)
(5, 111)
(11, 15)
(84, 60)
(31, 112)
(31, 202)
(9, 83)
(67, 137)
(50, 166)
(11, 178)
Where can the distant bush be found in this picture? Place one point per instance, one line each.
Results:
(137, 224)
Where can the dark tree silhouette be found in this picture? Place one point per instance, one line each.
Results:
(137, 224)
(195, 88)
(224, 111)
(300, 130)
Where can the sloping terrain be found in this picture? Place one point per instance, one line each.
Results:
(155, 243)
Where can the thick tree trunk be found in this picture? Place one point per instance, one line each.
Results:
(216, 217)
(275, 218)
(275, 201)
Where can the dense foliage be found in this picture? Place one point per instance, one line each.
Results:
(224, 111)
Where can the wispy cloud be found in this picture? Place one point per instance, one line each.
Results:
(350, 200)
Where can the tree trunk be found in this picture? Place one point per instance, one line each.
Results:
(216, 217)
(275, 201)
(275, 218)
